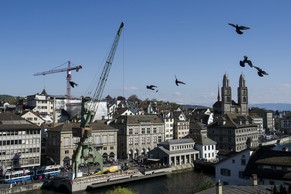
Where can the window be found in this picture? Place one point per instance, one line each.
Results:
(130, 141)
(67, 151)
(225, 172)
(142, 130)
(130, 131)
(154, 130)
(136, 141)
(143, 140)
(233, 161)
(148, 130)
(148, 140)
(243, 161)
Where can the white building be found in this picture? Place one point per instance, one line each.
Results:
(206, 148)
(176, 152)
(229, 171)
(33, 118)
(169, 126)
(20, 143)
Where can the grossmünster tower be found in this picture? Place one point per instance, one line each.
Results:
(226, 104)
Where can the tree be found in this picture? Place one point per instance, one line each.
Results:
(133, 98)
(121, 190)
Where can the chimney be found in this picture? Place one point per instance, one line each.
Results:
(254, 180)
(218, 187)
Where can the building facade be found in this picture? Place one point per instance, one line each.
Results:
(138, 134)
(63, 139)
(230, 171)
(233, 132)
(266, 115)
(175, 152)
(33, 118)
(20, 143)
(169, 126)
(181, 125)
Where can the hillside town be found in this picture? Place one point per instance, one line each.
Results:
(42, 130)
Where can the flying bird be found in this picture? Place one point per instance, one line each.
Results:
(151, 87)
(238, 28)
(246, 61)
(73, 84)
(261, 72)
(178, 82)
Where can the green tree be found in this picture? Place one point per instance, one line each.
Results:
(121, 190)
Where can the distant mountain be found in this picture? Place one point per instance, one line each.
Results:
(273, 106)
(186, 106)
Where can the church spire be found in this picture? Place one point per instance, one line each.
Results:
(218, 94)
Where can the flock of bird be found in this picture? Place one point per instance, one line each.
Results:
(242, 63)
(239, 29)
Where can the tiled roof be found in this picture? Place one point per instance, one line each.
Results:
(183, 151)
(137, 119)
(69, 126)
(10, 121)
(266, 155)
(203, 140)
(177, 141)
(233, 121)
(236, 189)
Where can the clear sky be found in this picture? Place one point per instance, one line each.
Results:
(161, 38)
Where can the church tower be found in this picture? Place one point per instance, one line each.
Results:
(226, 95)
(242, 96)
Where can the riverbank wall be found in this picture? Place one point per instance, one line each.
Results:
(21, 188)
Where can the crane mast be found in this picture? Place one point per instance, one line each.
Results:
(85, 152)
(89, 109)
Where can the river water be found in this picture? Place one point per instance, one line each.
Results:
(179, 183)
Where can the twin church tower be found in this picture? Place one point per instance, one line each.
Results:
(226, 105)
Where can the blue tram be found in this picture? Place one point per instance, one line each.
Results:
(43, 172)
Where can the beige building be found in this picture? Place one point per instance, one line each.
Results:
(233, 132)
(138, 134)
(63, 139)
(33, 118)
(266, 115)
(181, 125)
(20, 143)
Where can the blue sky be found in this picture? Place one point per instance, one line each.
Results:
(161, 38)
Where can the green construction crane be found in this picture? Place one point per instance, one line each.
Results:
(86, 153)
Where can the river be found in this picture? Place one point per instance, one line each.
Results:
(178, 183)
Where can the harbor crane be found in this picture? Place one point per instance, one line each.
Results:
(85, 152)
(69, 77)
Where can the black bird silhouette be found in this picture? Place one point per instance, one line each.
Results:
(238, 28)
(261, 72)
(73, 84)
(178, 82)
(246, 60)
(151, 87)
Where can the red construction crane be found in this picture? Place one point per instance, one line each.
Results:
(69, 77)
